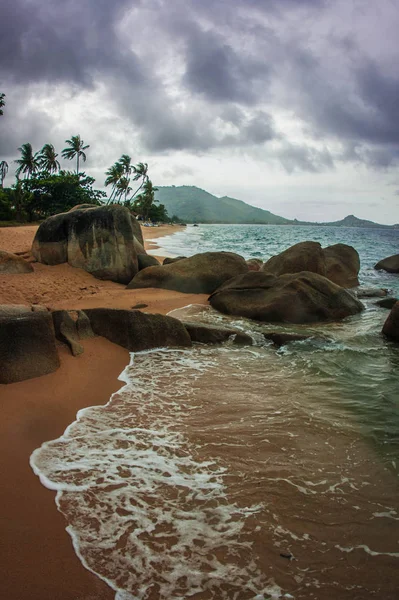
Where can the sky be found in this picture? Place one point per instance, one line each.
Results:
(289, 105)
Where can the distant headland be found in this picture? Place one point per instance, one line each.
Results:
(194, 205)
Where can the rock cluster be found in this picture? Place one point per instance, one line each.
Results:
(339, 263)
(292, 298)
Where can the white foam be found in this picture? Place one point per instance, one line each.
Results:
(142, 510)
(367, 550)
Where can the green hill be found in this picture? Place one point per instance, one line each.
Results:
(198, 206)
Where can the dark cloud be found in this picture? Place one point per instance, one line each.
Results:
(221, 73)
(198, 76)
(296, 157)
(67, 41)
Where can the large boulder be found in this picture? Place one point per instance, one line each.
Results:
(342, 265)
(292, 298)
(391, 325)
(13, 264)
(27, 344)
(339, 263)
(103, 240)
(137, 331)
(389, 264)
(305, 256)
(199, 274)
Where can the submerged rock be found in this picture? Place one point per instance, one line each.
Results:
(389, 264)
(362, 292)
(386, 302)
(281, 339)
(199, 274)
(292, 298)
(103, 240)
(27, 344)
(209, 334)
(137, 331)
(391, 325)
(339, 263)
(12, 264)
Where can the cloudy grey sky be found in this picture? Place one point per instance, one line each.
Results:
(290, 105)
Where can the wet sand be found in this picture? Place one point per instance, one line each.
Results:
(36, 554)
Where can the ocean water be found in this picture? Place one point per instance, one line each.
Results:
(244, 473)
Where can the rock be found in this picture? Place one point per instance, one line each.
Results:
(371, 292)
(12, 264)
(137, 331)
(386, 302)
(339, 263)
(66, 331)
(292, 298)
(254, 264)
(145, 260)
(140, 305)
(342, 265)
(83, 326)
(281, 339)
(27, 345)
(9, 310)
(208, 334)
(103, 240)
(389, 264)
(305, 256)
(169, 260)
(199, 274)
(391, 325)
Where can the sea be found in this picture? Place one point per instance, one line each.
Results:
(238, 473)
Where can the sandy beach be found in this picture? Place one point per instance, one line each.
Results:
(37, 557)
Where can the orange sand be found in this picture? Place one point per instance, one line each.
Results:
(36, 554)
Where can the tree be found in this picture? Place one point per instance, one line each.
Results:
(114, 174)
(140, 170)
(2, 102)
(29, 162)
(144, 201)
(52, 194)
(48, 159)
(123, 187)
(3, 171)
(76, 148)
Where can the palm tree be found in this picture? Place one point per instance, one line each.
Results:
(114, 174)
(76, 149)
(48, 159)
(123, 187)
(140, 171)
(126, 163)
(2, 102)
(145, 200)
(3, 171)
(29, 162)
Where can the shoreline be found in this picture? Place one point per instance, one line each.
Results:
(37, 554)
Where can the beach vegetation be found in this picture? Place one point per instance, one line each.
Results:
(2, 102)
(48, 159)
(3, 171)
(29, 163)
(76, 148)
(55, 193)
(145, 201)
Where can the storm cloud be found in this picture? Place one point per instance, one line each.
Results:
(300, 85)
